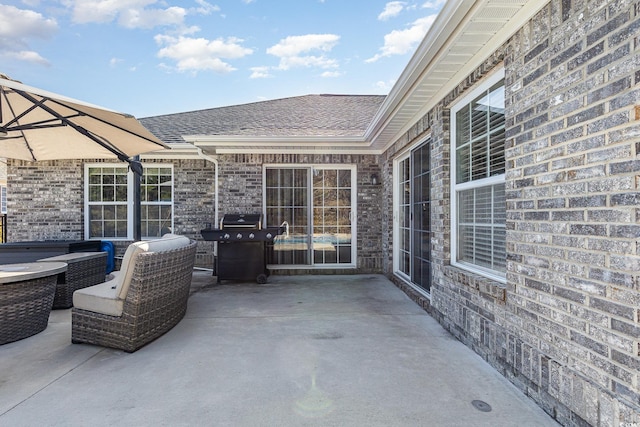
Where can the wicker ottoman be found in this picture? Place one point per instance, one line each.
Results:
(26, 298)
(84, 269)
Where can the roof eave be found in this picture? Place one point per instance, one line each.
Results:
(226, 144)
(445, 24)
(417, 90)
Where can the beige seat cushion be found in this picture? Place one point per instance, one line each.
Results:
(108, 297)
(99, 298)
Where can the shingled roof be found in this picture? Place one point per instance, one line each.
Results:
(304, 116)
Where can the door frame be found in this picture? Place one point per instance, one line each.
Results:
(396, 256)
(353, 216)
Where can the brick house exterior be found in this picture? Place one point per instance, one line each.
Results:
(561, 320)
(564, 327)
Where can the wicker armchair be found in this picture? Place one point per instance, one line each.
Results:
(144, 300)
(83, 269)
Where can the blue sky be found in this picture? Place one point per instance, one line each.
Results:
(152, 57)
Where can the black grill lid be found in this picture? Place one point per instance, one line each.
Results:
(241, 221)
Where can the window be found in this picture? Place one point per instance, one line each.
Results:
(478, 180)
(109, 201)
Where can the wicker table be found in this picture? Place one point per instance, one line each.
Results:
(83, 269)
(26, 298)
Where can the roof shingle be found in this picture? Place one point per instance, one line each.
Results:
(303, 116)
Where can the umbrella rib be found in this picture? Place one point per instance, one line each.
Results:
(100, 141)
(14, 115)
(42, 124)
(24, 113)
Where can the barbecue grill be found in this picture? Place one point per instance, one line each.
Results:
(242, 246)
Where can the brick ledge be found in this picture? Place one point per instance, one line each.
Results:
(485, 286)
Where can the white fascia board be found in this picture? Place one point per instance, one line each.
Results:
(178, 150)
(285, 141)
(282, 144)
(501, 37)
(440, 39)
(440, 31)
(281, 150)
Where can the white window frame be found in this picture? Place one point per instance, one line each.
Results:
(130, 196)
(396, 213)
(483, 86)
(3, 199)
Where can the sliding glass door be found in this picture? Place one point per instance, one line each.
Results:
(317, 206)
(412, 224)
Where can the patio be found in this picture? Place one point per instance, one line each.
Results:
(300, 350)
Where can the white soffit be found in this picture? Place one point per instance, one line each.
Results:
(465, 33)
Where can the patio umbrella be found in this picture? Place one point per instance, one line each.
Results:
(39, 125)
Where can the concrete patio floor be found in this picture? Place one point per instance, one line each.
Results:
(297, 351)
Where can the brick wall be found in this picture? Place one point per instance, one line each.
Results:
(572, 203)
(240, 180)
(565, 328)
(46, 202)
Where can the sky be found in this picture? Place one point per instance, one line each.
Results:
(154, 57)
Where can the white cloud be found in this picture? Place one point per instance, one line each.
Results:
(206, 8)
(391, 10)
(399, 42)
(134, 13)
(113, 62)
(308, 61)
(294, 45)
(200, 54)
(102, 11)
(150, 18)
(291, 51)
(331, 74)
(260, 73)
(26, 56)
(435, 4)
(18, 27)
(385, 86)
(21, 23)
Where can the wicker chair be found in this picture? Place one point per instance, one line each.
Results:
(84, 269)
(144, 300)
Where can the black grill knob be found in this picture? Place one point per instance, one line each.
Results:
(239, 236)
(226, 236)
(269, 235)
(251, 235)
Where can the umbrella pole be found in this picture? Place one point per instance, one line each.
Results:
(137, 204)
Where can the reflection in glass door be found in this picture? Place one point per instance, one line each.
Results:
(331, 216)
(421, 224)
(412, 257)
(287, 201)
(316, 204)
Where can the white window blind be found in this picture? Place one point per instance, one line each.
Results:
(479, 189)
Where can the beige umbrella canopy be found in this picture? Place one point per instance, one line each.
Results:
(39, 125)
